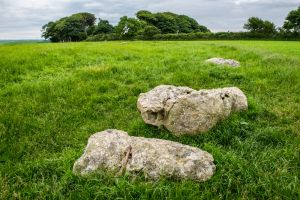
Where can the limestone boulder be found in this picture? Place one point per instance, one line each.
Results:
(185, 111)
(117, 152)
(222, 61)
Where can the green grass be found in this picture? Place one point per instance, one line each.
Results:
(54, 96)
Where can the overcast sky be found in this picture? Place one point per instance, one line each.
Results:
(23, 19)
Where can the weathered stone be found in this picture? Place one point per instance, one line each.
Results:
(154, 104)
(116, 151)
(222, 61)
(185, 111)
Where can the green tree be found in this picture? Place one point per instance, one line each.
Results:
(103, 27)
(168, 22)
(150, 31)
(146, 16)
(269, 27)
(49, 32)
(292, 21)
(73, 28)
(183, 24)
(128, 28)
(187, 24)
(257, 25)
(203, 29)
(55, 30)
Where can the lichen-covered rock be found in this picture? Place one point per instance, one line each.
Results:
(116, 151)
(222, 61)
(185, 111)
(154, 104)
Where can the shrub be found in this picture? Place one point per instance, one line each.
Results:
(103, 37)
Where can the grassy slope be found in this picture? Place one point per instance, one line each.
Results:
(54, 96)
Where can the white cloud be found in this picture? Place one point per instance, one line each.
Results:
(23, 19)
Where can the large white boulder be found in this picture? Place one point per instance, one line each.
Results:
(222, 61)
(117, 152)
(185, 111)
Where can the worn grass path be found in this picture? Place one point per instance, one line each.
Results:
(54, 96)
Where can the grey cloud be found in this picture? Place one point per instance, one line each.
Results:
(23, 19)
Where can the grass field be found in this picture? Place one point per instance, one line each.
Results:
(54, 96)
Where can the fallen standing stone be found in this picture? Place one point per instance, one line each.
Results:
(185, 111)
(222, 61)
(116, 151)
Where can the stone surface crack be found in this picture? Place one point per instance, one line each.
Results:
(128, 155)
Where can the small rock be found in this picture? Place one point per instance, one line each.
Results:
(222, 61)
(116, 151)
(185, 111)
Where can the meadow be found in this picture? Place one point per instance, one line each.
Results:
(54, 96)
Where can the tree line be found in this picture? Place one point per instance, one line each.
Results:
(81, 26)
(161, 26)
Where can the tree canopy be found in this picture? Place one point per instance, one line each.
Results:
(128, 28)
(150, 31)
(257, 25)
(292, 21)
(168, 22)
(79, 26)
(103, 27)
(72, 28)
(148, 25)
